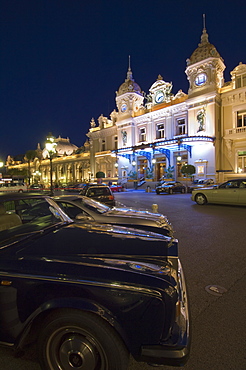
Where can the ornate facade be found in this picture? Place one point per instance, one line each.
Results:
(69, 165)
(150, 134)
(205, 128)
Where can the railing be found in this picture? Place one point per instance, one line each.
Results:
(237, 130)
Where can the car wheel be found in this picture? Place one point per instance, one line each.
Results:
(72, 339)
(200, 199)
(170, 191)
(157, 192)
(20, 191)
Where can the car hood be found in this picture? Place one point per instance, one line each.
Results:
(129, 212)
(102, 240)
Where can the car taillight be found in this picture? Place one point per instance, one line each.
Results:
(111, 197)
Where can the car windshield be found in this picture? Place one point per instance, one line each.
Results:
(24, 216)
(93, 191)
(92, 205)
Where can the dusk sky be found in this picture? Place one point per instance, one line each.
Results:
(61, 61)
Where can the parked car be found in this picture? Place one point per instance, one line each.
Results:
(75, 188)
(115, 187)
(35, 188)
(197, 184)
(81, 208)
(101, 193)
(19, 187)
(89, 294)
(230, 192)
(170, 187)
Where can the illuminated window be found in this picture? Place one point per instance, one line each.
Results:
(103, 145)
(241, 119)
(241, 162)
(200, 170)
(160, 131)
(142, 134)
(116, 142)
(241, 81)
(181, 127)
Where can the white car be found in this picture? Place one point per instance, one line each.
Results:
(19, 187)
(230, 192)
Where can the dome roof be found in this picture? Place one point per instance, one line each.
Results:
(240, 69)
(129, 85)
(63, 147)
(205, 50)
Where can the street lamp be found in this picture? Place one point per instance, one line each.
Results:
(50, 146)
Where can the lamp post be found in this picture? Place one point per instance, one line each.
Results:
(1, 165)
(50, 146)
(153, 168)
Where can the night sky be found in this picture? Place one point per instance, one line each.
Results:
(61, 61)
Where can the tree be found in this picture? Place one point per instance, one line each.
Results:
(188, 170)
(29, 157)
(100, 175)
(169, 172)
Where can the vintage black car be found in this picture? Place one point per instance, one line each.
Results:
(90, 294)
(170, 187)
(81, 208)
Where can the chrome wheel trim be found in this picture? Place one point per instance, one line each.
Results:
(201, 199)
(73, 348)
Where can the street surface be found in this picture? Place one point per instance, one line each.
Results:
(212, 249)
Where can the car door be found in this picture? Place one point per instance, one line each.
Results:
(227, 193)
(242, 193)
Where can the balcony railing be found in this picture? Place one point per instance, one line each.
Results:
(237, 130)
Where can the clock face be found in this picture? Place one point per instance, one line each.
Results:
(159, 97)
(123, 107)
(201, 79)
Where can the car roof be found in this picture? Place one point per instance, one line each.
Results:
(241, 179)
(99, 186)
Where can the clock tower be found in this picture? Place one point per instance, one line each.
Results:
(129, 97)
(205, 68)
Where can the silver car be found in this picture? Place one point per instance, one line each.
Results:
(82, 208)
(230, 192)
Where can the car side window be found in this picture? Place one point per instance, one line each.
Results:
(233, 184)
(229, 185)
(9, 206)
(90, 193)
(71, 210)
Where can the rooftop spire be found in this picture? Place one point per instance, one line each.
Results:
(129, 72)
(204, 37)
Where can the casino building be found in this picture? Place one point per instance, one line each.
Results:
(149, 135)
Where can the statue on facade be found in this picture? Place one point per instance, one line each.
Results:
(201, 115)
(93, 123)
(124, 137)
(228, 143)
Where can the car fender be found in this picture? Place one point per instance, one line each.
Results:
(33, 324)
